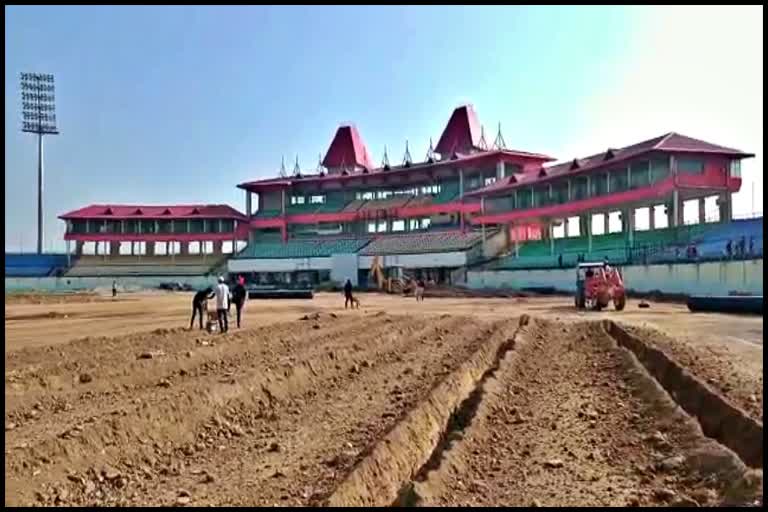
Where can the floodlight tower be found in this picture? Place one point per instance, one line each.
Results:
(38, 116)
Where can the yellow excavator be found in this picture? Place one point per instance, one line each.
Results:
(387, 284)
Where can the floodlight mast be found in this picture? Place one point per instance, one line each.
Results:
(39, 116)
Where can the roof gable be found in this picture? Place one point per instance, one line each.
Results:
(462, 133)
(347, 149)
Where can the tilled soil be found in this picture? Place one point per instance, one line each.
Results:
(270, 416)
(736, 374)
(571, 420)
(349, 408)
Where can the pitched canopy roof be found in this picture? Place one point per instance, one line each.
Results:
(462, 133)
(347, 149)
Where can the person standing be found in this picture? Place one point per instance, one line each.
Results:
(114, 288)
(198, 305)
(239, 296)
(419, 290)
(222, 304)
(348, 300)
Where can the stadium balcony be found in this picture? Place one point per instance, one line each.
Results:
(419, 243)
(303, 248)
(34, 265)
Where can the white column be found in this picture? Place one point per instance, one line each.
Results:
(675, 208)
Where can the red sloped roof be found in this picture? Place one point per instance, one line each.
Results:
(154, 211)
(416, 166)
(347, 149)
(676, 142)
(461, 133)
(669, 142)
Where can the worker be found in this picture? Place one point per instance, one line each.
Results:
(742, 246)
(198, 305)
(419, 290)
(729, 249)
(239, 295)
(348, 300)
(114, 288)
(751, 245)
(222, 304)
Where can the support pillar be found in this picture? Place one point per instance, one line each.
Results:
(217, 247)
(702, 211)
(96, 248)
(724, 205)
(630, 225)
(114, 248)
(517, 240)
(248, 204)
(652, 217)
(461, 183)
(589, 233)
(78, 248)
(184, 248)
(499, 170)
(150, 248)
(69, 255)
(550, 232)
(676, 208)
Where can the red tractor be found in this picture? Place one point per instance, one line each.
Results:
(597, 284)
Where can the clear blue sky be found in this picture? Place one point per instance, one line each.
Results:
(179, 104)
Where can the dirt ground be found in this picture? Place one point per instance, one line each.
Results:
(115, 402)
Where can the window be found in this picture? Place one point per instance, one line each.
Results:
(599, 184)
(398, 225)
(430, 189)
(618, 179)
(297, 200)
(382, 227)
(414, 224)
(690, 166)
(366, 196)
(510, 169)
(639, 176)
(371, 227)
(317, 199)
(425, 222)
(659, 169)
(735, 170)
(488, 181)
(383, 194)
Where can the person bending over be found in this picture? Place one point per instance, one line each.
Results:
(198, 305)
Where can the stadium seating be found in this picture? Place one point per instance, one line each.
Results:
(416, 243)
(386, 204)
(652, 246)
(124, 265)
(304, 248)
(34, 265)
(267, 214)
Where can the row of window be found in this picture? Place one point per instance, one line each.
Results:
(638, 175)
(370, 195)
(196, 226)
(398, 225)
(319, 199)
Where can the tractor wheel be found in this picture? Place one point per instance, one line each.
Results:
(619, 302)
